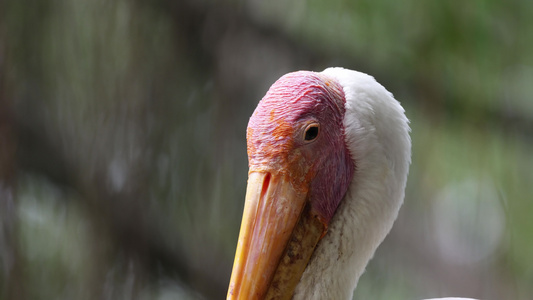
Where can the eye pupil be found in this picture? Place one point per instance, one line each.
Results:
(311, 133)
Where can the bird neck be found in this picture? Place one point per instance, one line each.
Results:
(377, 135)
(363, 219)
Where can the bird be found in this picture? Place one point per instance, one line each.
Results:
(328, 155)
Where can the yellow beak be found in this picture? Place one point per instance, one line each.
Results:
(277, 238)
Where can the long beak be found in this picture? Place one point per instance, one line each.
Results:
(277, 237)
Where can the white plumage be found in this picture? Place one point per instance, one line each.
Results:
(377, 135)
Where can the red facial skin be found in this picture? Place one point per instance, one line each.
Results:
(322, 167)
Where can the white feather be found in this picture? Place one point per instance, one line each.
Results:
(377, 135)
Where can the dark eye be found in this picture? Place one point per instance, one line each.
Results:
(311, 132)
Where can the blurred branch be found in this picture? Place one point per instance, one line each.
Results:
(207, 24)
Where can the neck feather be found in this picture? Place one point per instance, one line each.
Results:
(377, 135)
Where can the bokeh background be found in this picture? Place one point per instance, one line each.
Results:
(122, 139)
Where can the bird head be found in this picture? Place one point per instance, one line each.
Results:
(299, 171)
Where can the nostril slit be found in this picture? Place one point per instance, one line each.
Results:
(266, 183)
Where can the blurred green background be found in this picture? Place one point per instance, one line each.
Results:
(122, 139)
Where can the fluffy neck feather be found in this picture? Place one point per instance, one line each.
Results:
(377, 135)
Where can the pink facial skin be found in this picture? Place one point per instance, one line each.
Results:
(322, 167)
